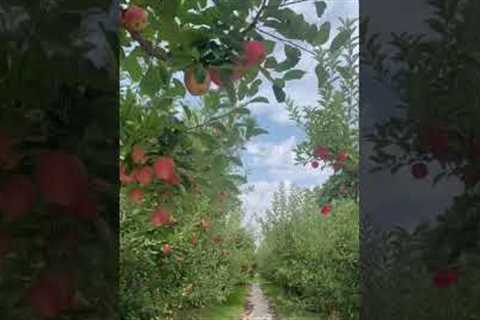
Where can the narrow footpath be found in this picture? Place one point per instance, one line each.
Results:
(258, 306)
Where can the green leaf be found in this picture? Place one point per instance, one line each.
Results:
(320, 6)
(271, 62)
(340, 40)
(241, 111)
(293, 75)
(269, 46)
(200, 73)
(322, 75)
(259, 100)
(323, 34)
(279, 93)
(153, 80)
(293, 56)
(132, 66)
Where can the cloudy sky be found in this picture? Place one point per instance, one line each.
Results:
(269, 159)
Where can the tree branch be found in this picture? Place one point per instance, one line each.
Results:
(149, 48)
(287, 41)
(256, 18)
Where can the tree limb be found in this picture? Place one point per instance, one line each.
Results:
(287, 41)
(149, 48)
(256, 18)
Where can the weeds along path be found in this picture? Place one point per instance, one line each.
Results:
(258, 306)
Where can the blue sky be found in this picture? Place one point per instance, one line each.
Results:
(269, 159)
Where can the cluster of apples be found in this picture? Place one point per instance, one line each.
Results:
(163, 169)
(60, 178)
(135, 19)
(324, 154)
(254, 53)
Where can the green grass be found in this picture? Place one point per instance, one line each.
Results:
(284, 308)
(232, 309)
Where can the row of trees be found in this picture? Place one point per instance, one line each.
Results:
(310, 238)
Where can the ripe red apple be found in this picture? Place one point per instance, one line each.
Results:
(342, 156)
(322, 153)
(193, 86)
(138, 155)
(135, 18)
(419, 170)
(166, 249)
(444, 279)
(124, 177)
(164, 168)
(52, 294)
(237, 72)
(144, 176)
(17, 197)
(326, 209)
(62, 178)
(160, 217)
(315, 164)
(136, 195)
(254, 53)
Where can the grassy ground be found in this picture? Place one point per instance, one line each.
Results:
(232, 309)
(283, 308)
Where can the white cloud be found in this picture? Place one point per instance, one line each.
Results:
(275, 164)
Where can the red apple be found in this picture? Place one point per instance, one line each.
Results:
(135, 18)
(62, 178)
(138, 155)
(52, 294)
(164, 168)
(144, 176)
(195, 87)
(166, 249)
(444, 279)
(342, 156)
(326, 209)
(419, 170)
(136, 195)
(124, 177)
(160, 217)
(17, 197)
(254, 53)
(322, 153)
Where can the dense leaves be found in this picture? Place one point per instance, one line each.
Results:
(313, 253)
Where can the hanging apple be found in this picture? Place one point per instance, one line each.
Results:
(197, 80)
(254, 53)
(134, 18)
(61, 177)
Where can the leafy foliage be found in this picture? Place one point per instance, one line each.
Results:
(313, 257)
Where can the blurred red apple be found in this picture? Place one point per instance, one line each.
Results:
(61, 177)
(135, 18)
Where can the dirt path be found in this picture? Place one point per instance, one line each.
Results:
(258, 307)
